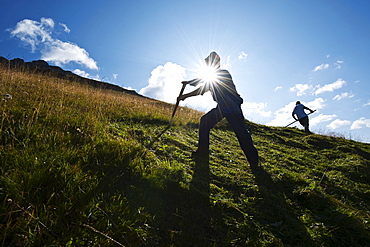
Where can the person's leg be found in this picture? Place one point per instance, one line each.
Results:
(307, 127)
(304, 122)
(237, 123)
(207, 122)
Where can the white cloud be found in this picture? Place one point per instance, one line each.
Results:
(64, 52)
(165, 82)
(129, 88)
(343, 95)
(39, 35)
(277, 88)
(85, 74)
(81, 73)
(32, 32)
(367, 104)
(115, 76)
(360, 123)
(202, 103)
(316, 104)
(283, 116)
(48, 22)
(301, 89)
(338, 123)
(321, 67)
(66, 29)
(251, 108)
(331, 87)
(242, 56)
(321, 118)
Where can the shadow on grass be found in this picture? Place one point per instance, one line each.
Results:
(199, 194)
(184, 217)
(277, 209)
(341, 229)
(275, 213)
(174, 216)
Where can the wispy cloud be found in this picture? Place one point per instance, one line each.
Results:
(321, 67)
(226, 64)
(66, 29)
(331, 87)
(33, 33)
(301, 89)
(338, 123)
(40, 36)
(277, 88)
(343, 96)
(360, 123)
(243, 56)
(338, 64)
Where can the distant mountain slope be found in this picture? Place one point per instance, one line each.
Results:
(40, 66)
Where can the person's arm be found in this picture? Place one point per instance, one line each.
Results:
(293, 115)
(193, 82)
(308, 109)
(191, 94)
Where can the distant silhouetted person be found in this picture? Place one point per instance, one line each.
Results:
(299, 115)
(228, 101)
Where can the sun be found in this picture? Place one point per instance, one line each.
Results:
(207, 73)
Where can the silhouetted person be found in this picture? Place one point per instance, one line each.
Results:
(228, 101)
(299, 115)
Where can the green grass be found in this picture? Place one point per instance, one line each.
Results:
(82, 167)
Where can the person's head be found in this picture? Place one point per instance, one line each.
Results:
(213, 60)
(298, 102)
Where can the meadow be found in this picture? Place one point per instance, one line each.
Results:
(81, 166)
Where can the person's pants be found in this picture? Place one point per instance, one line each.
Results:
(304, 122)
(237, 123)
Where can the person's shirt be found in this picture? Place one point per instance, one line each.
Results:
(299, 111)
(223, 91)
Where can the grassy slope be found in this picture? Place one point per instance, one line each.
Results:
(79, 168)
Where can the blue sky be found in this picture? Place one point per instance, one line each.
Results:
(278, 52)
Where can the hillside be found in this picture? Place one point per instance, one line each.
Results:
(42, 67)
(79, 167)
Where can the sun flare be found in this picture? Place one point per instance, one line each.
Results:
(207, 73)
